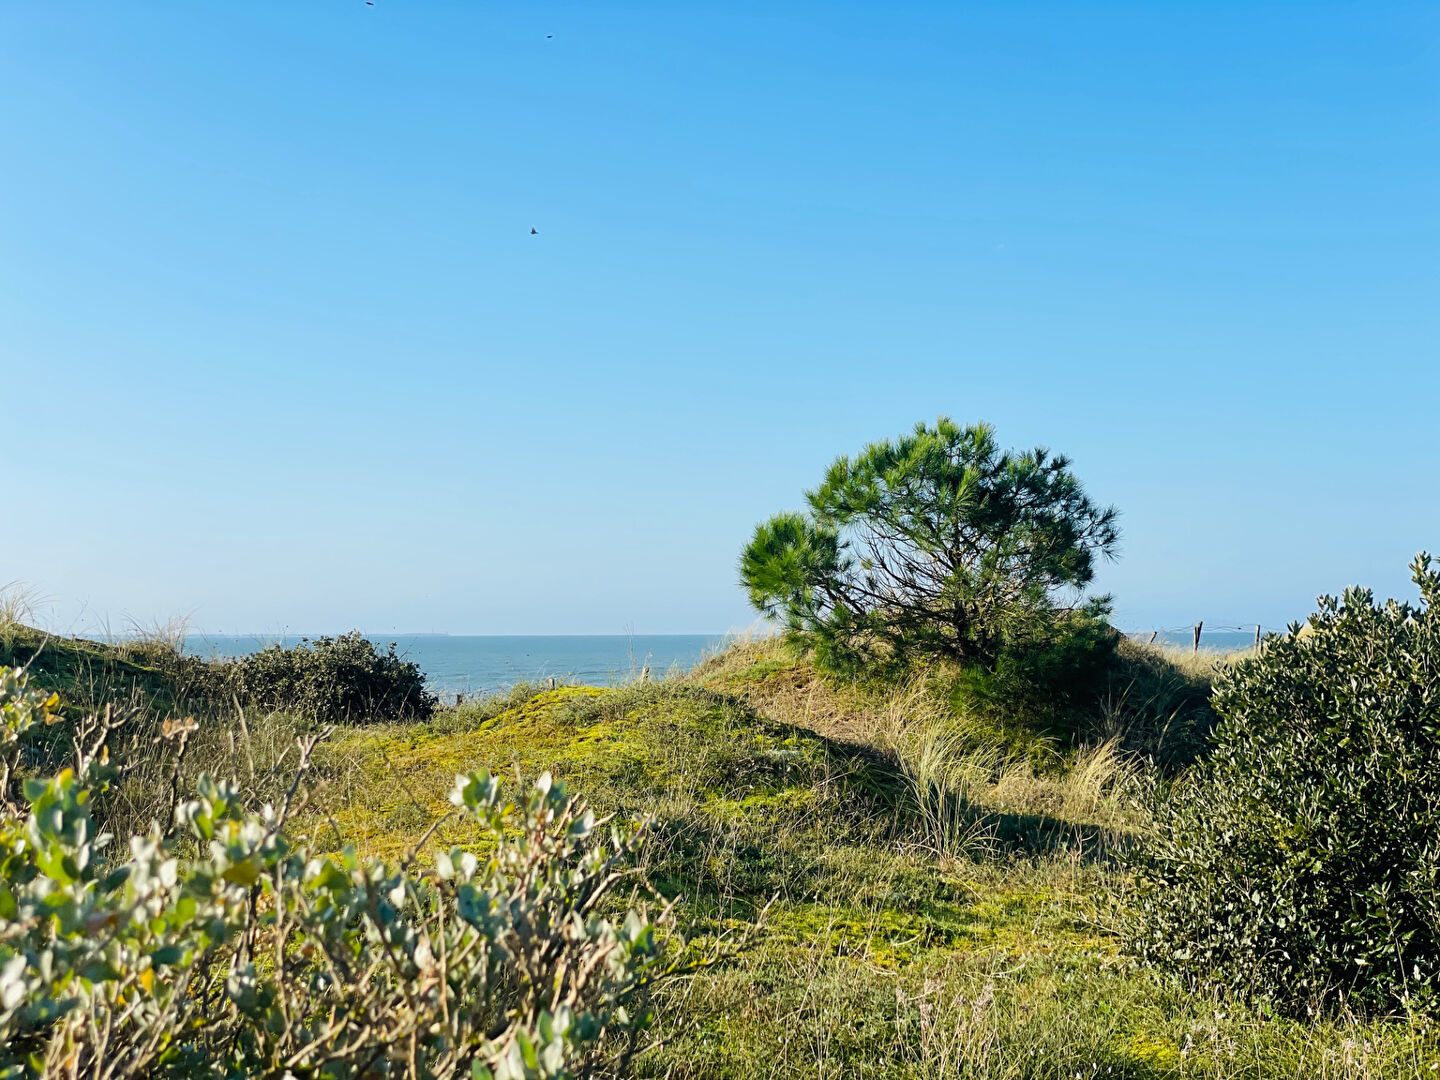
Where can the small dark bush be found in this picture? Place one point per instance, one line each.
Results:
(341, 680)
(1047, 678)
(1301, 862)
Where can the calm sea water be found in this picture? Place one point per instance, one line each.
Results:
(456, 664)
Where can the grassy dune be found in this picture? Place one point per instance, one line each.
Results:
(890, 914)
(89, 673)
(891, 893)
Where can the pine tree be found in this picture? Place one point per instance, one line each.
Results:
(935, 544)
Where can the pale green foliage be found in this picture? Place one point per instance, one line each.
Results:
(224, 948)
(21, 709)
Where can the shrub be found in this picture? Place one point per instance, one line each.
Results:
(342, 680)
(23, 709)
(225, 948)
(1301, 862)
(1046, 680)
(936, 545)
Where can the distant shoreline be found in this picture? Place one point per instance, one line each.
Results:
(470, 664)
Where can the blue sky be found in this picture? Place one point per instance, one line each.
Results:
(278, 349)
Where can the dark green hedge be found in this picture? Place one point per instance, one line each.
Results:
(1301, 862)
(341, 680)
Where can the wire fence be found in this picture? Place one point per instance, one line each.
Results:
(1219, 637)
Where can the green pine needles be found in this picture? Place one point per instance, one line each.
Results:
(935, 544)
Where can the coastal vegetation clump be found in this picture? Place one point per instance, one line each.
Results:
(344, 679)
(336, 680)
(940, 555)
(223, 942)
(1300, 862)
(941, 548)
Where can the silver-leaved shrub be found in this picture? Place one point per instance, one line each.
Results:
(222, 948)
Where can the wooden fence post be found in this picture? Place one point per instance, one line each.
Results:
(1153, 635)
(1257, 635)
(1198, 627)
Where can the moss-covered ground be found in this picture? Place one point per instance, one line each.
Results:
(852, 945)
(858, 928)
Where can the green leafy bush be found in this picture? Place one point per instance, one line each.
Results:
(1046, 679)
(223, 947)
(343, 679)
(1301, 862)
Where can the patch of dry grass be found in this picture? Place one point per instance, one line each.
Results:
(769, 677)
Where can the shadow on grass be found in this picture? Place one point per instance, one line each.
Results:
(873, 788)
(1040, 834)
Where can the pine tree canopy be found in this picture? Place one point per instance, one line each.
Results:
(935, 544)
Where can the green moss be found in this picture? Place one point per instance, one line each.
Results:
(885, 938)
(761, 670)
(1151, 1050)
(670, 751)
(875, 957)
(771, 806)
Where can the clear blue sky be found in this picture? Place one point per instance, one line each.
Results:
(278, 348)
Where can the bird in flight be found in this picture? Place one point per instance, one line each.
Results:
(534, 232)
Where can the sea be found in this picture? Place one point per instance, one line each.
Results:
(476, 666)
